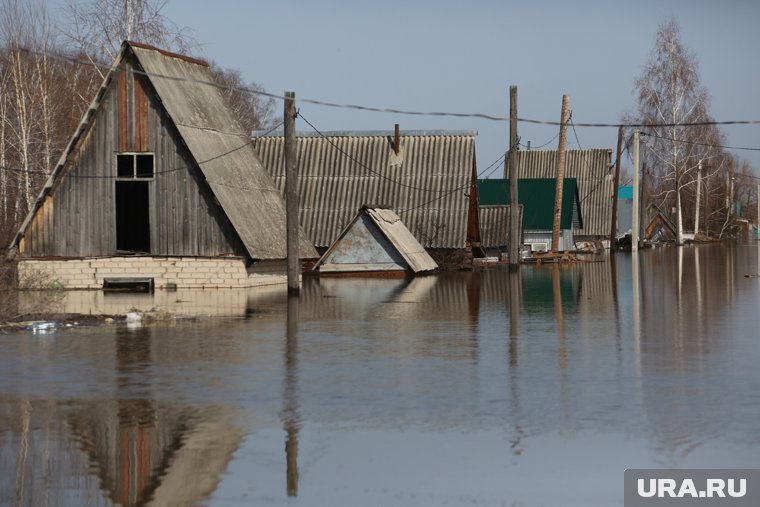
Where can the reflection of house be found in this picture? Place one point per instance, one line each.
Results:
(536, 196)
(592, 169)
(376, 241)
(148, 451)
(158, 170)
(427, 178)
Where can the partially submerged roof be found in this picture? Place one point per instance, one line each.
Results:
(495, 223)
(427, 183)
(376, 240)
(591, 168)
(536, 196)
(218, 144)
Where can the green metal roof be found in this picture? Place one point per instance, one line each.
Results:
(537, 198)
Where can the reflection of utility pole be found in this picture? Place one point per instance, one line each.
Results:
(515, 298)
(559, 316)
(290, 396)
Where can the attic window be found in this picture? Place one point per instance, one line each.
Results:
(134, 165)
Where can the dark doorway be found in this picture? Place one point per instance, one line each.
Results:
(132, 216)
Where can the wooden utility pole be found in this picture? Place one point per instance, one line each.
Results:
(514, 206)
(613, 226)
(560, 172)
(291, 193)
(635, 207)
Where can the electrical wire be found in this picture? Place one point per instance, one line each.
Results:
(547, 143)
(407, 112)
(366, 167)
(155, 173)
(585, 162)
(708, 145)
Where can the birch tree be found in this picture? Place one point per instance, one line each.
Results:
(98, 27)
(669, 95)
(253, 110)
(28, 103)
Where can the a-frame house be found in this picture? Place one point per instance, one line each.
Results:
(159, 181)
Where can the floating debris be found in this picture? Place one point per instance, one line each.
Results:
(42, 327)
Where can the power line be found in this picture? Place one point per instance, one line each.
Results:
(166, 171)
(483, 116)
(585, 162)
(708, 145)
(366, 167)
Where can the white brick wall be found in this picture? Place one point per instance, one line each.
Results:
(184, 272)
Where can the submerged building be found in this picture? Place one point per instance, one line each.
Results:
(159, 183)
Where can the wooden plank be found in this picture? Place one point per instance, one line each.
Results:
(122, 108)
(141, 114)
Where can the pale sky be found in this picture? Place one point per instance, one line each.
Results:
(461, 56)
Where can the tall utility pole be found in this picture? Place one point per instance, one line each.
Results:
(635, 207)
(613, 226)
(514, 206)
(560, 172)
(699, 194)
(291, 193)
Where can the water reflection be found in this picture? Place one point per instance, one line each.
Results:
(458, 388)
(290, 395)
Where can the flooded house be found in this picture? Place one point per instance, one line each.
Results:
(428, 178)
(537, 197)
(376, 242)
(660, 228)
(158, 185)
(594, 172)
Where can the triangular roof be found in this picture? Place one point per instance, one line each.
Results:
(221, 149)
(392, 229)
(536, 195)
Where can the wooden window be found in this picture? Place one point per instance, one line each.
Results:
(135, 165)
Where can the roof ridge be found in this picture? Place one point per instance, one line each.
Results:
(189, 59)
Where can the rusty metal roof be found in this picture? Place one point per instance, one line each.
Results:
(223, 152)
(426, 183)
(592, 168)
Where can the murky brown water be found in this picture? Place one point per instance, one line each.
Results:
(464, 389)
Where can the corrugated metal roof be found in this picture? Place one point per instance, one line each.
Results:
(536, 195)
(593, 170)
(222, 150)
(494, 225)
(425, 184)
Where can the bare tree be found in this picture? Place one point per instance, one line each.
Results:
(28, 103)
(254, 110)
(98, 27)
(669, 95)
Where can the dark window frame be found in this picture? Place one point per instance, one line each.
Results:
(135, 155)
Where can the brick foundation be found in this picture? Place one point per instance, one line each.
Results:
(182, 272)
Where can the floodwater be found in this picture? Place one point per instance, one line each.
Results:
(487, 389)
